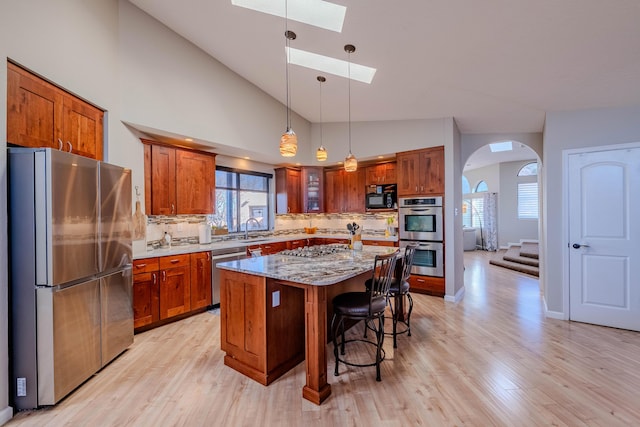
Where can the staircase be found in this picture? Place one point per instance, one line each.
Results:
(522, 258)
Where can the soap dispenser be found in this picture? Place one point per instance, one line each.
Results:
(167, 238)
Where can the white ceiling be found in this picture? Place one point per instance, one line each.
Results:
(496, 66)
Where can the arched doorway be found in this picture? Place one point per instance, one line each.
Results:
(501, 202)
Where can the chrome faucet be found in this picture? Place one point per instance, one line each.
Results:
(246, 226)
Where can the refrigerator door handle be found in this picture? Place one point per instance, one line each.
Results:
(42, 213)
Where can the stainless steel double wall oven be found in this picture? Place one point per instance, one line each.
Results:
(421, 221)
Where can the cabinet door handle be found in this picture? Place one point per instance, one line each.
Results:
(174, 261)
(60, 144)
(416, 188)
(164, 275)
(208, 257)
(173, 208)
(70, 146)
(154, 278)
(420, 280)
(141, 265)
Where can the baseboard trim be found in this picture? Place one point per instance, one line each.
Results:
(553, 314)
(456, 298)
(6, 414)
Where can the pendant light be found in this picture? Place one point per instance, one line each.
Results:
(350, 162)
(321, 153)
(289, 139)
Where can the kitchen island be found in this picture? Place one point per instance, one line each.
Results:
(274, 311)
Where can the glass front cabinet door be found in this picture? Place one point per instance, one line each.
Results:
(312, 190)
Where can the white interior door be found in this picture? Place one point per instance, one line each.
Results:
(604, 238)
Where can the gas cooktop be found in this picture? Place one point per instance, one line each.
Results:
(316, 251)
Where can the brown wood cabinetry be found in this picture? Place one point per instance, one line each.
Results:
(312, 190)
(288, 189)
(146, 304)
(178, 181)
(262, 334)
(427, 285)
(200, 280)
(344, 191)
(175, 286)
(40, 114)
(195, 182)
(421, 172)
(299, 243)
(163, 181)
(169, 288)
(267, 248)
(379, 243)
(384, 173)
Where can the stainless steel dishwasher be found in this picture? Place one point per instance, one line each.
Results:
(223, 255)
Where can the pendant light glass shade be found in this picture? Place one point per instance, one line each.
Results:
(350, 162)
(288, 143)
(321, 154)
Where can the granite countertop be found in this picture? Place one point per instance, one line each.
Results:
(319, 271)
(240, 243)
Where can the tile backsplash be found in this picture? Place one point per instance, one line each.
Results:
(184, 228)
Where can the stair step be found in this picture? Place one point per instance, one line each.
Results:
(529, 250)
(523, 268)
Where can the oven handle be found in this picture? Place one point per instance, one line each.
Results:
(429, 246)
(421, 210)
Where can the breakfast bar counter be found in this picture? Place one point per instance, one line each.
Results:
(274, 311)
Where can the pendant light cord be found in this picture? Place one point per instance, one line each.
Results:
(286, 36)
(321, 145)
(349, 72)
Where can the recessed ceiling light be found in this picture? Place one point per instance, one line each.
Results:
(381, 157)
(500, 146)
(188, 139)
(247, 158)
(318, 13)
(327, 64)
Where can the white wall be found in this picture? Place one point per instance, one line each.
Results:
(570, 130)
(510, 228)
(489, 174)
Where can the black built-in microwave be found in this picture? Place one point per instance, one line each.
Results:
(381, 197)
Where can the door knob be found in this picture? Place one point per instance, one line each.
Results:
(578, 246)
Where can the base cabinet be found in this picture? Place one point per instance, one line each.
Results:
(175, 286)
(146, 304)
(427, 285)
(200, 280)
(262, 325)
(170, 288)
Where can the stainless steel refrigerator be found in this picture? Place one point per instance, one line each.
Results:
(70, 271)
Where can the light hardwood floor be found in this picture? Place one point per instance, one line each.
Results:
(492, 359)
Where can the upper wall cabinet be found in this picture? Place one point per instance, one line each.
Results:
(40, 114)
(178, 181)
(344, 191)
(384, 173)
(312, 190)
(421, 172)
(288, 188)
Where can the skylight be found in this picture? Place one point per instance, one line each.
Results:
(318, 13)
(334, 66)
(500, 146)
